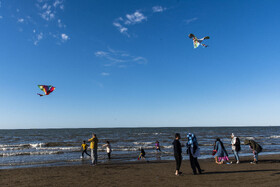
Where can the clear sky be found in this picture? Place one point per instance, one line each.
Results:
(129, 63)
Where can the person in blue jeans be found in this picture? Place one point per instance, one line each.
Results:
(235, 146)
(256, 148)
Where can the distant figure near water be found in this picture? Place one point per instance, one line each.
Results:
(93, 146)
(194, 152)
(221, 154)
(108, 149)
(235, 146)
(256, 149)
(84, 148)
(177, 153)
(142, 154)
(157, 146)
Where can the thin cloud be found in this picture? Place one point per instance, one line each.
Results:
(113, 57)
(188, 21)
(39, 37)
(158, 9)
(136, 17)
(60, 24)
(130, 19)
(105, 74)
(121, 28)
(51, 24)
(1, 17)
(20, 20)
(64, 37)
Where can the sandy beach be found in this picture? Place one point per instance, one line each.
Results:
(155, 173)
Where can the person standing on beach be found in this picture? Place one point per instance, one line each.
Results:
(157, 146)
(221, 154)
(93, 146)
(235, 146)
(193, 151)
(177, 153)
(142, 154)
(108, 149)
(84, 147)
(256, 149)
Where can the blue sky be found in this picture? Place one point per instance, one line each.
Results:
(131, 64)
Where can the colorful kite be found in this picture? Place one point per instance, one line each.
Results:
(197, 42)
(47, 89)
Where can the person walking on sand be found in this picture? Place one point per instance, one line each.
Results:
(221, 153)
(193, 151)
(93, 146)
(256, 149)
(235, 146)
(177, 153)
(84, 148)
(108, 149)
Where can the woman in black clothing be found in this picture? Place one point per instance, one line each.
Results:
(177, 153)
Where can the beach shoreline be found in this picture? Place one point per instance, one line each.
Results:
(149, 173)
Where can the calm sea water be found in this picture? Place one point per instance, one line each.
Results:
(47, 147)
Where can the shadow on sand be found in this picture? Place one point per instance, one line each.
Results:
(242, 171)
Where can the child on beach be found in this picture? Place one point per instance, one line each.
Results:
(256, 149)
(142, 154)
(84, 148)
(177, 153)
(157, 146)
(108, 149)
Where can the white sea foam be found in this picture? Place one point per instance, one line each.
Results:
(275, 136)
(143, 143)
(29, 153)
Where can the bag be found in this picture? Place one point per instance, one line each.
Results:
(258, 148)
(237, 145)
(214, 152)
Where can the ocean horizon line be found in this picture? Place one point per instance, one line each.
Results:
(134, 127)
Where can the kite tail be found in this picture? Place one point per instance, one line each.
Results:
(40, 94)
(204, 45)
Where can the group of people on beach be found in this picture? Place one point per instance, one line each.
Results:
(93, 147)
(193, 150)
(219, 152)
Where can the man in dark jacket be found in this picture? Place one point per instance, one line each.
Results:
(256, 149)
(177, 153)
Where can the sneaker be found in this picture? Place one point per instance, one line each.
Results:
(252, 162)
(237, 162)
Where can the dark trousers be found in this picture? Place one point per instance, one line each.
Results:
(84, 151)
(194, 164)
(178, 159)
(109, 155)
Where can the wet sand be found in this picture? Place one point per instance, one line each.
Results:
(154, 173)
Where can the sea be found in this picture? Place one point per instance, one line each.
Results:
(55, 147)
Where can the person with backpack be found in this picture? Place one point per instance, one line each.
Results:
(256, 149)
(235, 146)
